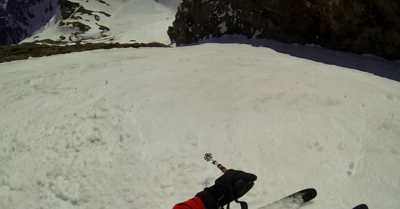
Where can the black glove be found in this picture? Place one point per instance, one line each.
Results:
(230, 186)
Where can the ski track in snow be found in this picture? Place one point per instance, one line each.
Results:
(128, 128)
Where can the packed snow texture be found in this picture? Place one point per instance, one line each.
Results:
(128, 128)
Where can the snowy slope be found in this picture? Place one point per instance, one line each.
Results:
(123, 21)
(129, 128)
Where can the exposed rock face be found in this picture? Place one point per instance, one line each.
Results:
(358, 26)
(21, 18)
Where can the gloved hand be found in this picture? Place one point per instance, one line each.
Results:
(230, 186)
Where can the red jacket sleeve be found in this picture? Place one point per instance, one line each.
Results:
(194, 203)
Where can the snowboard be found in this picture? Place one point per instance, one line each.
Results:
(294, 200)
(362, 206)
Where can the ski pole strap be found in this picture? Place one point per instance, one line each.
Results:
(243, 204)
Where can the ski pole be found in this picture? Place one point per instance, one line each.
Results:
(240, 188)
(208, 157)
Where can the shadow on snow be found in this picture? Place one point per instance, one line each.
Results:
(366, 63)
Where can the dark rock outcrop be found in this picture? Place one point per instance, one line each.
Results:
(22, 18)
(67, 8)
(358, 26)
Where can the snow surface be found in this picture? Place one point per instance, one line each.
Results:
(128, 128)
(140, 21)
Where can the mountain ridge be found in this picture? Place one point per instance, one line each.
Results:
(89, 21)
(21, 19)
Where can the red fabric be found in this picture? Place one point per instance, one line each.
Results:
(194, 203)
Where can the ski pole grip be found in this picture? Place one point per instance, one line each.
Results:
(221, 167)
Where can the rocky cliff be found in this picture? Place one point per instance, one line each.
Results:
(20, 19)
(358, 26)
